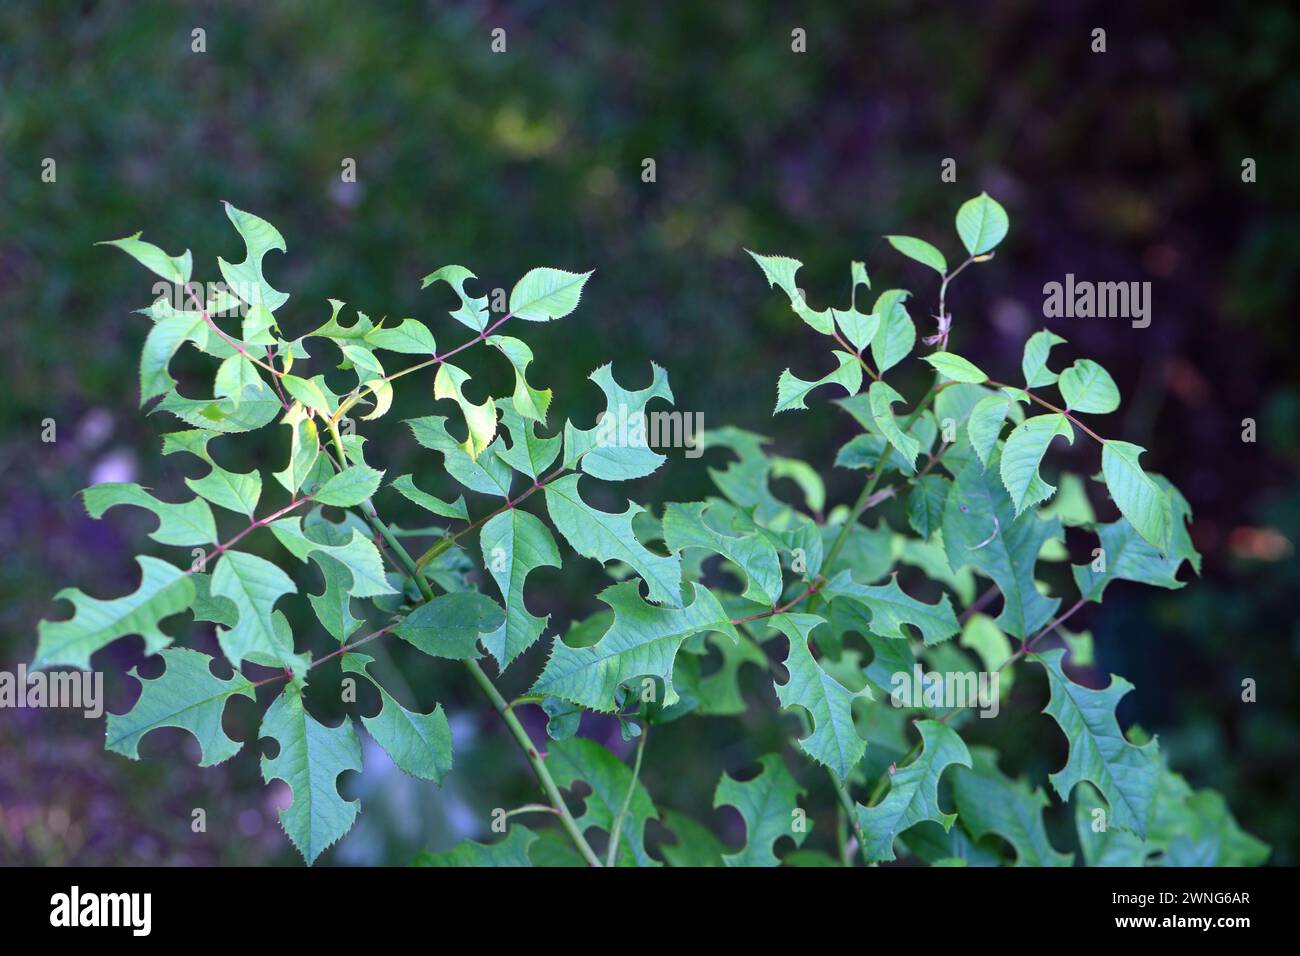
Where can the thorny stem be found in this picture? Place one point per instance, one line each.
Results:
(617, 829)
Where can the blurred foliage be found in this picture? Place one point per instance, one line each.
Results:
(1118, 166)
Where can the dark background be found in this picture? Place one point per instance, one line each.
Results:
(1118, 166)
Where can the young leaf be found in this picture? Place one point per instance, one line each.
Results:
(1099, 753)
(913, 791)
(981, 224)
(175, 269)
(187, 695)
(481, 420)
(528, 453)
(473, 312)
(897, 334)
(921, 251)
(780, 272)
(791, 390)
(610, 780)
(420, 744)
(985, 424)
(1022, 454)
(515, 543)
(1087, 387)
(245, 279)
(1137, 495)
(834, 741)
(1034, 361)
(304, 449)
(990, 802)
(955, 367)
(310, 760)
(96, 623)
(642, 642)
(528, 401)
(881, 396)
(609, 537)
(546, 294)
(769, 804)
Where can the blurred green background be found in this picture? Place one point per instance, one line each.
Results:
(1123, 165)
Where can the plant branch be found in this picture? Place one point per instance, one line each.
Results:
(617, 829)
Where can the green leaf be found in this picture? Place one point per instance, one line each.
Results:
(913, 791)
(310, 759)
(642, 642)
(1034, 361)
(981, 224)
(881, 396)
(528, 453)
(546, 294)
(986, 639)
(96, 623)
(185, 524)
(404, 485)
(955, 367)
(981, 530)
(1099, 753)
(1127, 556)
(1087, 387)
(529, 402)
(489, 475)
(245, 278)
(480, 420)
(920, 250)
(515, 543)
(988, 801)
(925, 504)
(985, 425)
(349, 487)
(617, 448)
(175, 269)
(696, 845)
(579, 759)
(684, 526)
(769, 805)
(261, 634)
(308, 392)
(891, 608)
(1105, 845)
(420, 744)
(473, 311)
(1137, 495)
(355, 551)
(897, 332)
(231, 490)
(170, 331)
(304, 449)
(834, 741)
(409, 337)
(780, 272)
(510, 850)
(451, 625)
(187, 695)
(607, 537)
(1023, 453)
(791, 390)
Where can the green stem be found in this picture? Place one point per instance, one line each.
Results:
(485, 683)
(617, 829)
